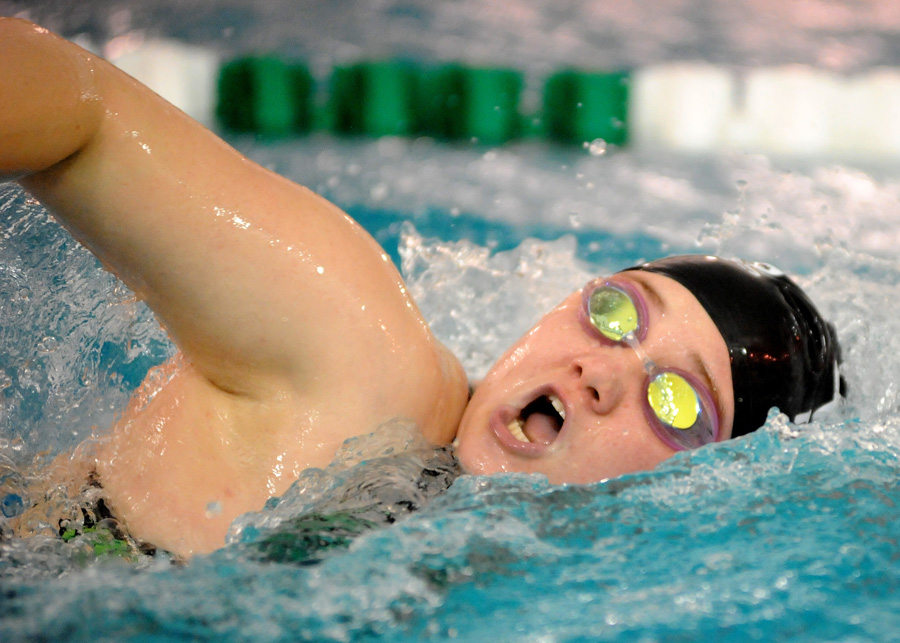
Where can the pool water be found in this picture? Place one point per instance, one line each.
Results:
(789, 533)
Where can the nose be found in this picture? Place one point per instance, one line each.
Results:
(603, 380)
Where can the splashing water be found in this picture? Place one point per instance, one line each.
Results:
(784, 533)
(788, 533)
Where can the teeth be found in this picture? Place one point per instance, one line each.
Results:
(515, 427)
(558, 405)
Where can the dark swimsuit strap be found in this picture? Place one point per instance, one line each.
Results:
(97, 517)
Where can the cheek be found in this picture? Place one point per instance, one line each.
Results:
(612, 453)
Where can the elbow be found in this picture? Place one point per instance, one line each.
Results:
(50, 104)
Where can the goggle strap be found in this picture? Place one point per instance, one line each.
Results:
(827, 407)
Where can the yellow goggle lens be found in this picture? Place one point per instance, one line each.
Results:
(673, 400)
(612, 313)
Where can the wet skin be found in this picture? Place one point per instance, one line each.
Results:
(294, 330)
(601, 387)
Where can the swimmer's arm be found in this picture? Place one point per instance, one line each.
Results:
(49, 102)
(257, 279)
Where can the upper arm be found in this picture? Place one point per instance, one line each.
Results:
(258, 280)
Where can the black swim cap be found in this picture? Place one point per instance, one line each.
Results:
(783, 352)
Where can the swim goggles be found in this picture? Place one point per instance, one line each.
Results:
(678, 407)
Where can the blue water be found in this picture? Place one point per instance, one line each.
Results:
(775, 537)
(592, 245)
(787, 534)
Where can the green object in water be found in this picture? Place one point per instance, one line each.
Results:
(304, 539)
(468, 103)
(375, 99)
(266, 96)
(581, 107)
(102, 542)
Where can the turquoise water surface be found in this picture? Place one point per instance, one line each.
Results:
(786, 534)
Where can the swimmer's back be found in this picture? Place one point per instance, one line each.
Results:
(296, 330)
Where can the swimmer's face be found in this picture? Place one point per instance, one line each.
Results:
(600, 385)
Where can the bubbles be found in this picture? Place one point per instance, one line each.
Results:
(597, 147)
(725, 535)
(373, 480)
(11, 505)
(379, 192)
(455, 283)
(48, 344)
(71, 335)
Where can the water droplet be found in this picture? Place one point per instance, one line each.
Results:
(597, 147)
(48, 344)
(11, 505)
(213, 509)
(378, 192)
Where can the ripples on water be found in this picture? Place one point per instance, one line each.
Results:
(788, 533)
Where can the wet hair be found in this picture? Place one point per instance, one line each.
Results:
(783, 352)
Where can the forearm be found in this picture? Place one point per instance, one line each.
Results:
(49, 103)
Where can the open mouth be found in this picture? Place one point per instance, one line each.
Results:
(540, 421)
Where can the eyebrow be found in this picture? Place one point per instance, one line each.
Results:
(697, 362)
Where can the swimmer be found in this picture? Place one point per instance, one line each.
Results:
(295, 331)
